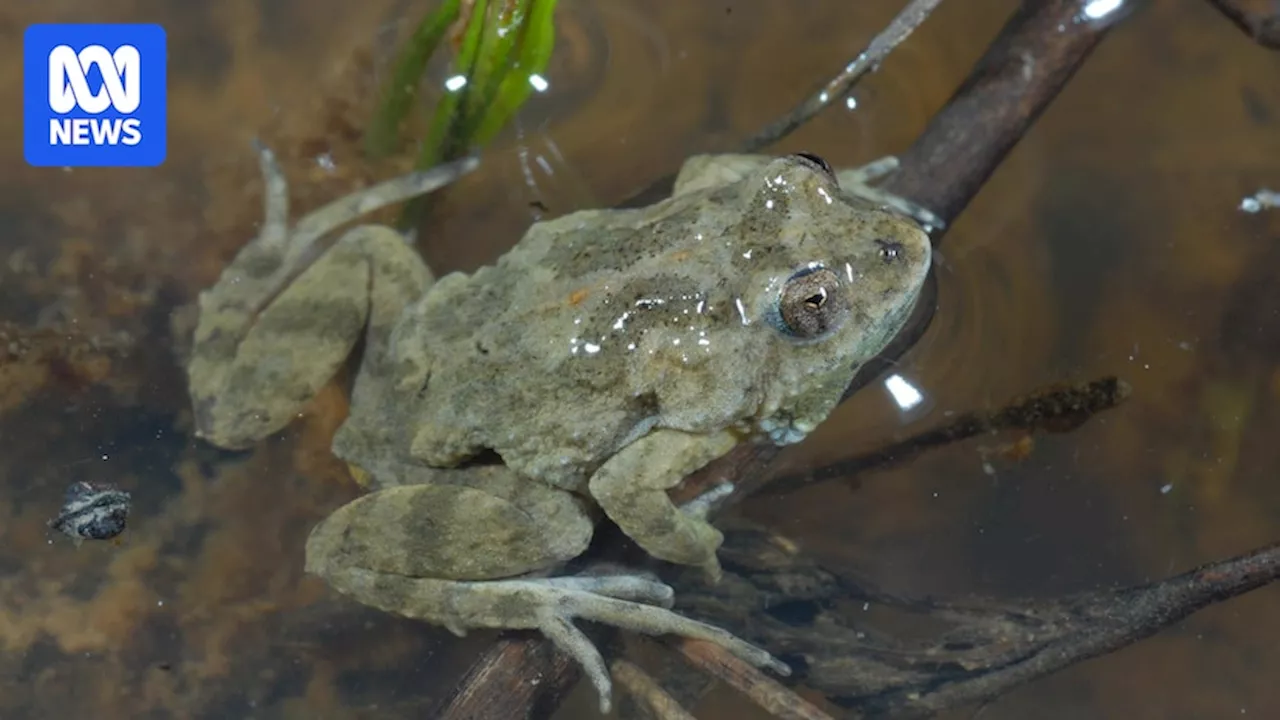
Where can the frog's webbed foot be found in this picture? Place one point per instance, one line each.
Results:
(858, 182)
(458, 548)
(549, 605)
(284, 315)
(617, 601)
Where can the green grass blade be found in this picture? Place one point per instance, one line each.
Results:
(502, 29)
(382, 136)
(443, 141)
(504, 44)
(536, 42)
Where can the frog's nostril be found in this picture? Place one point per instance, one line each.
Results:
(890, 250)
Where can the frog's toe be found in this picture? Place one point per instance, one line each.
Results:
(574, 643)
(636, 588)
(591, 599)
(628, 601)
(858, 181)
(869, 173)
(701, 505)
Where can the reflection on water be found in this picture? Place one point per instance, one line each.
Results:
(1109, 243)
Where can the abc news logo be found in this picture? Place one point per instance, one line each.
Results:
(94, 95)
(121, 90)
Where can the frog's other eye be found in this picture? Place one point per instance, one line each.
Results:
(890, 250)
(812, 304)
(816, 163)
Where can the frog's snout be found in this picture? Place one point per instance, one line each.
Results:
(911, 247)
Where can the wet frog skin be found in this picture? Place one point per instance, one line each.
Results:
(605, 357)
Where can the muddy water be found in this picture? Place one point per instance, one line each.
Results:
(1108, 243)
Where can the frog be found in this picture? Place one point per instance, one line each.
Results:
(496, 416)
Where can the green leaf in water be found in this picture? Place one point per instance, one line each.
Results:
(445, 138)
(382, 136)
(505, 44)
(536, 41)
(501, 30)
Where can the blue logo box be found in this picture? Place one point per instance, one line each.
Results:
(94, 95)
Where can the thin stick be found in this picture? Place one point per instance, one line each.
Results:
(1057, 408)
(498, 685)
(961, 652)
(1097, 623)
(1259, 19)
(901, 27)
(763, 690)
(646, 691)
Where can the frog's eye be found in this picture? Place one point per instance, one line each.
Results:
(812, 304)
(815, 163)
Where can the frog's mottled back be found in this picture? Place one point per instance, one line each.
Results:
(745, 302)
(607, 357)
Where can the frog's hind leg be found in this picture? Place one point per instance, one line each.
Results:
(279, 254)
(283, 317)
(450, 551)
(275, 199)
(248, 382)
(325, 219)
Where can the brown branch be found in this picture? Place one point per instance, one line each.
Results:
(1089, 626)
(498, 682)
(987, 648)
(1027, 65)
(1259, 19)
(1057, 408)
(646, 691)
(1038, 50)
(763, 690)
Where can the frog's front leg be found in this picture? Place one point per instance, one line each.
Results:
(631, 488)
(284, 315)
(457, 550)
(858, 182)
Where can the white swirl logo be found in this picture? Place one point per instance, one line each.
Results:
(69, 85)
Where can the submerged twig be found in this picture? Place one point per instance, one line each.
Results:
(1057, 408)
(906, 21)
(498, 683)
(763, 690)
(1259, 19)
(646, 691)
(984, 647)
(1077, 629)
(1028, 64)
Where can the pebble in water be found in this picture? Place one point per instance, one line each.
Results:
(93, 511)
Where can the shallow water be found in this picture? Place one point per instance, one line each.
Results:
(1109, 242)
